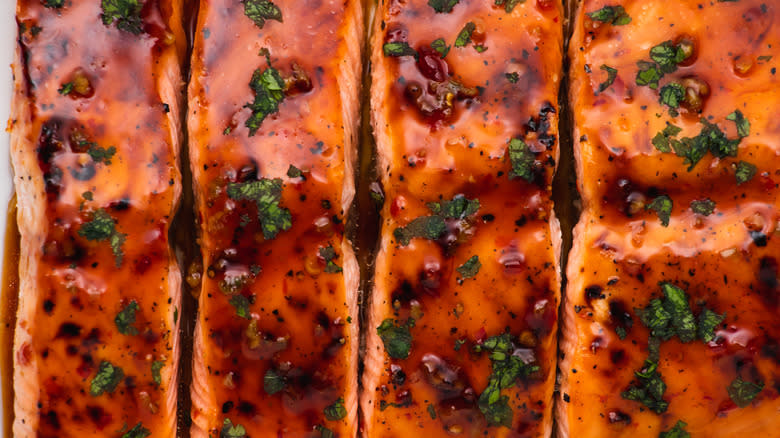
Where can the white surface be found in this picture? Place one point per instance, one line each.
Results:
(7, 43)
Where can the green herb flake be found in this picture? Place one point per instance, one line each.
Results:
(442, 6)
(268, 87)
(441, 47)
(745, 172)
(522, 159)
(508, 5)
(512, 77)
(53, 4)
(743, 124)
(464, 36)
(671, 95)
(611, 76)
(273, 382)
(396, 338)
(648, 388)
(266, 193)
(100, 154)
(325, 432)
(102, 227)
(708, 322)
(336, 411)
(742, 392)
(431, 411)
(704, 207)
(329, 254)
(662, 205)
(232, 431)
(678, 431)
(138, 431)
(667, 55)
(426, 227)
(294, 172)
(241, 304)
(125, 319)
(156, 368)
(670, 316)
(66, 88)
(398, 48)
(648, 74)
(106, 380)
(469, 268)
(261, 10)
(615, 15)
(662, 140)
(126, 14)
(459, 207)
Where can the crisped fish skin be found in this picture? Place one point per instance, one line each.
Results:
(285, 365)
(95, 134)
(433, 148)
(722, 236)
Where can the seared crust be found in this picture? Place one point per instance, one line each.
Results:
(125, 93)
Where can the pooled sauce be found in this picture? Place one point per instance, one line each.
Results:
(9, 297)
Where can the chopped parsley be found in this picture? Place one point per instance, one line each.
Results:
(616, 15)
(704, 207)
(329, 254)
(508, 5)
(469, 268)
(662, 140)
(710, 139)
(273, 382)
(125, 319)
(294, 172)
(670, 316)
(743, 124)
(458, 208)
(427, 227)
(443, 6)
(522, 158)
(101, 154)
(126, 14)
(648, 386)
(464, 36)
(268, 86)
(512, 77)
(662, 205)
(66, 88)
(336, 411)
(678, 431)
(742, 392)
(431, 411)
(666, 57)
(396, 338)
(708, 322)
(103, 227)
(398, 48)
(648, 74)
(611, 76)
(54, 4)
(671, 95)
(261, 10)
(138, 431)
(440, 46)
(241, 304)
(156, 368)
(106, 379)
(266, 193)
(232, 431)
(324, 432)
(745, 172)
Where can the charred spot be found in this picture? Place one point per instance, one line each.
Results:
(51, 419)
(71, 350)
(84, 172)
(48, 306)
(99, 417)
(69, 330)
(92, 338)
(397, 375)
(616, 416)
(620, 314)
(51, 143)
(227, 407)
(404, 293)
(246, 408)
(248, 172)
(618, 357)
(323, 320)
(594, 292)
(540, 125)
(120, 205)
(297, 82)
(769, 281)
(759, 238)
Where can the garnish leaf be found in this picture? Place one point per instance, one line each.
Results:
(708, 321)
(125, 319)
(667, 55)
(100, 154)
(704, 207)
(156, 368)
(440, 46)
(662, 141)
(611, 76)
(743, 124)
(648, 74)
(336, 411)
(266, 193)
(509, 5)
(106, 379)
(232, 431)
(268, 86)
(329, 254)
(742, 392)
(458, 208)
(261, 10)
(662, 205)
(648, 388)
(678, 431)
(464, 36)
(671, 95)
(469, 268)
(241, 304)
(102, 227)
(745, 172)
(611, 14)
(442, 6)
(398, 48)
(273, 382)
(427, 227)
(138, 431)
(522, 159)
(396, 338)
(126, 14)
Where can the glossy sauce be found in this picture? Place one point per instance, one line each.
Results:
(9, 294)
(442, 128)
(724, 261)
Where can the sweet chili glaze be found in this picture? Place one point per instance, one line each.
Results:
(277, 333)
(720, 244)
(433, 150)
(95, 138)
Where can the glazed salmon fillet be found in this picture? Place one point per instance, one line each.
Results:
(670, 323)
(95, 139)
(273, 124)
(462, 319)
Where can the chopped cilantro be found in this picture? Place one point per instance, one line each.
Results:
(53, 4)
(621, 332)
(671, 95)
(669, 316)
(745, 172)
(103, 227)
(329, 254)
(469, 268)
(126, 14)
(441, 6)
(260, 10)
(458, 208)
(100, 154)
(232, 431)
(611, 76)
(708, 321)
(156, 368)
(138, 431)
(464, 36)
(661, 141)
(325, 432)
(398, 48)
(125, 319)
(241, 304)
(678, 431)
(742, 392)
(66, 88)
(743, 124)
(512, 77)
(440, 46)
(648, 387)
(667, 55)
(273, 382)
(336, 411)
(268, 86)
(648, 74)
(522, 159)
(294, 172)
(662, 205)
(396, 338)
(266, 193)
(427, 227)
(611, 14)
(704, 207)
(431, 411)
(106, 380)
(509, 5)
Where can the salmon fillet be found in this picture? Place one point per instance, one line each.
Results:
(96, 102)
(670, 324)
(462, 320)
(273, 123)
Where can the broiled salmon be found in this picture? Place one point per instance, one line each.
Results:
(95, 138)
(670, 324)
(273, 124)
(462, 320)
